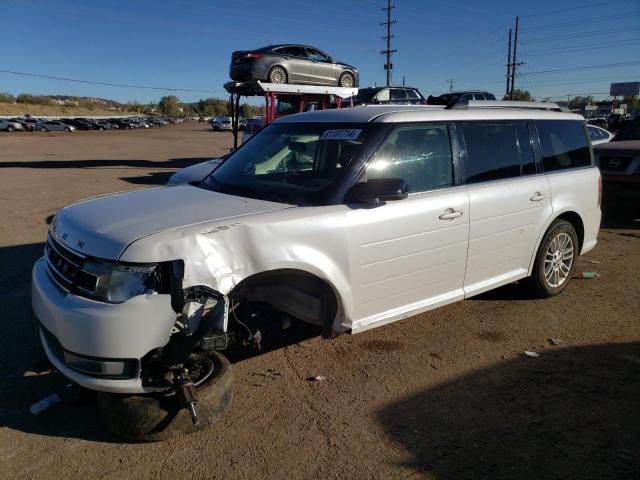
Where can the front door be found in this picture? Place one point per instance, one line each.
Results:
(409, 255)
(322, 69)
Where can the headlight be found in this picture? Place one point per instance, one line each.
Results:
(117, 283)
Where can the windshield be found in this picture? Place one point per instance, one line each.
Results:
(629, 131)
(290, 163)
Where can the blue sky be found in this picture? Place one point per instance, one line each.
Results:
(187, 43)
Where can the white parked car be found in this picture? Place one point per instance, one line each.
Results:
(10, 125)
(345, 219)
(599, 135)
(219, 124)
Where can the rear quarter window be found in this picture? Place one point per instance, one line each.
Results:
(564, 144)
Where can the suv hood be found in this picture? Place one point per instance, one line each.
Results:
(103, 227)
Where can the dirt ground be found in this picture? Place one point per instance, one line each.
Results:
(448, 394)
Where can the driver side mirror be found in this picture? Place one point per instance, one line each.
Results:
(379, 190)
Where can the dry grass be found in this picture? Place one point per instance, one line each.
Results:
(51, 110)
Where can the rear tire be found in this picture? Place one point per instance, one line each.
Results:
(347, 80)
(43, 129)
(555, 260)
(67, 129)
(158, 416)
(10, 128)
(277, 75)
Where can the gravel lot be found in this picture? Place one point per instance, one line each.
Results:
(448, 394)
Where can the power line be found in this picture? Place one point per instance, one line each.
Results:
(588, 67)
(592, 33)
(580, 48)
(568, 9)
(581, 22)
(91, 82)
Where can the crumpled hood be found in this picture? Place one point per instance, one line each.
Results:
(104, 226)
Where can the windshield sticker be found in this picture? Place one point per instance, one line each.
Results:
(343, 134)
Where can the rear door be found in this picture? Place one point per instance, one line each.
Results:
(297, 63)
(410, 255)
(509, 200)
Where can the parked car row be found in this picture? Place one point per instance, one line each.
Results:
(80, 123)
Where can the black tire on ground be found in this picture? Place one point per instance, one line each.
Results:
(67, 129)
(277, 75)
(10, 128)
(157, 417)
(43, 129)
(347, 80)
(537, 283)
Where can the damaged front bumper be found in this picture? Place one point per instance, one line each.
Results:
(80, 335)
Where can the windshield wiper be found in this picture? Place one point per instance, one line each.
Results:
(261, 195)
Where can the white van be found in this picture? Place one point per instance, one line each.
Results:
(345, 219)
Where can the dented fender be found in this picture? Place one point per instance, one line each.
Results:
(221, 254)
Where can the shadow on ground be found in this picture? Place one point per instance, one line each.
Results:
(152, 178)
(620, 208)
(571, 413)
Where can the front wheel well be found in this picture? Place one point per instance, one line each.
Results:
(576, 221)
(296, 292)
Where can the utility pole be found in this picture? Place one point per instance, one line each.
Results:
(506, 94)
(451, 80)
(388, 66)
(514, 63)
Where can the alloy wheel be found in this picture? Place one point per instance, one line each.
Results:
(558, 260)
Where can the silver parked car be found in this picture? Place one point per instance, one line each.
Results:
(291, 64)
(10, 125)
(54, 126)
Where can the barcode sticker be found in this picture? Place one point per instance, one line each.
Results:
(342, 134)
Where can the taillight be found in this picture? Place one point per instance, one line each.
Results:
(599, 191)
(253, 55)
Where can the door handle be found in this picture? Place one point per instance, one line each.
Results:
(450, 214)
(538, 197)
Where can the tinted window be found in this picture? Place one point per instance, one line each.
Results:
(563, 144)
(489, 152)
(490, 96)
(420, 155)
(479, 96)
(398, 95)
(412, 95)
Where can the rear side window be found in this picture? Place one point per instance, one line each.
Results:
(564, 144)
(418, 154)
(398, 94)
(490, 151)
(412, 95)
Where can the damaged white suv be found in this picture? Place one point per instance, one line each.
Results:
(345, 219)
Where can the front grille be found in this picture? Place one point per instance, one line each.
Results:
(62, 264)
(616, 164)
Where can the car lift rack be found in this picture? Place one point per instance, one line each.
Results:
(322, 95)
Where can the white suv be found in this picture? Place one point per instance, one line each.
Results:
(345, 219)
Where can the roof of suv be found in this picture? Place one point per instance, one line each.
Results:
(422, 113)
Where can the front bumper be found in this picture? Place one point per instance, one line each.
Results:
(97, 331)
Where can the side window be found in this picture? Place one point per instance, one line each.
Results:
(466, 97)
(383, 95)
(563, 144)
(490, 151)
(299, 52)
(412, 95)
(479, 96)
(317, 55)
(398, 95)
(420, 155)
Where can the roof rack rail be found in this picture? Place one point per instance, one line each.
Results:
(505, 104)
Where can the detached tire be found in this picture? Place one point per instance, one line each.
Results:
(555, 260)
(157, 417)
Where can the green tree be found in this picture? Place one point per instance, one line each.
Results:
(7, 98)
(169, 105)
(519, 95)
(578, 103)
